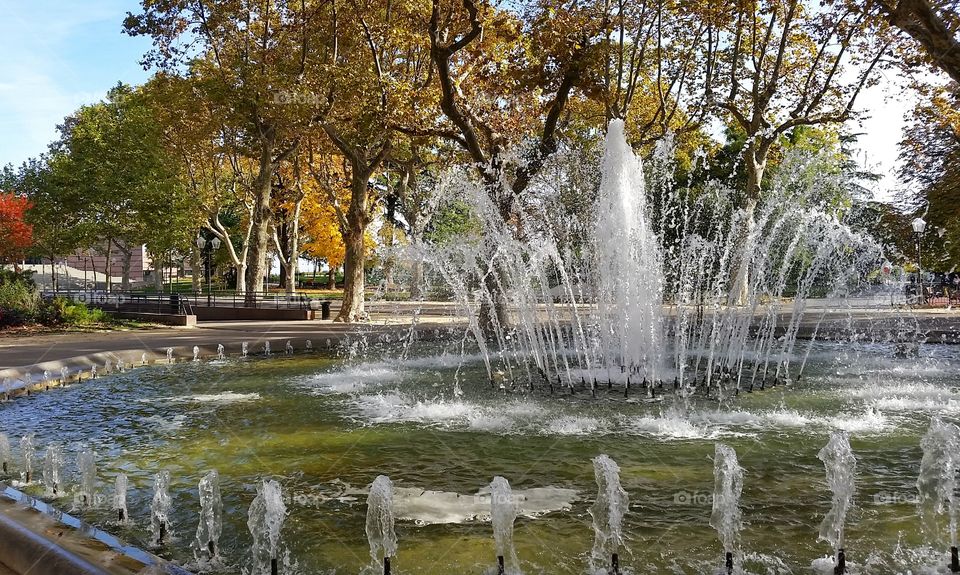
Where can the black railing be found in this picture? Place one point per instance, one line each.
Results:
(180, 303)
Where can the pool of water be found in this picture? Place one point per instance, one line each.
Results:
(325, 427)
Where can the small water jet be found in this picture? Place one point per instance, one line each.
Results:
(120, 365)
(841, 466)
(120, 498)
(244, 347)
(64, 375)
(107, 366)
(87, 464)
(607, 513)
(196, 353)
(936, 485)
(380, 521)
(143, 359)
(265, 520)
(53, 469)
(27, 451)
(169, 355)
(160, 508)
(93, 372)
(5, 456)
(266, 348)
(726, 517)
(503, 513)
(308, 345)
(289, 348)
(221, 354)
(206, 543)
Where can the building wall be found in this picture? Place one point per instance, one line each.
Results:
(96, 260)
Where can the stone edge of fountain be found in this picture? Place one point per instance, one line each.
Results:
(30, 548)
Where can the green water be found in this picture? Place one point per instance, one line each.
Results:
(325, 428)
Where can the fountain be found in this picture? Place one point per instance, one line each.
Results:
(93, 372)
(87, 464)
(266, 348)
(64, 375)
(160, 506)
(28, 452)
(243, 349)
(265, 520)
(380, 520)
(5, 456)
(503, 512)
(725, 518)
(107, 366)
(143, 358)
(936, 485)
(841, 467)
(221, 355)
(206, 550)
(169, 355)
(308, 345)
(289, 348)
(607, 512)
(196, 353)
(53, 469)
(120, 498)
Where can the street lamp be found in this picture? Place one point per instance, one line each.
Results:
(919, 225)
(206, 249)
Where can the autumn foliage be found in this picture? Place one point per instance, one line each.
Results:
(16, 235)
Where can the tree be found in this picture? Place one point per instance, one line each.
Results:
(932, 25)
(251, 61)
(775, 66)
(14, 228)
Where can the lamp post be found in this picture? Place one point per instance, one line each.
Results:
(206, 249)
(919, 225)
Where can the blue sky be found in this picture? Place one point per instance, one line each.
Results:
(56, 55)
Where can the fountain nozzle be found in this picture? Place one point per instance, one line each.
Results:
(500, 569)
(841, 566)
(954, 560)
(728, 563)
(273, 566)
(120, 517)
(615, 565)
(386, 566)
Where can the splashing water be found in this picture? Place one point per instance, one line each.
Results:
(607, 512)
(221, 355)
(503, 513)
(937, 482)
(728, 484)
(120, 498)
(160, 508)
(309, 345)
(64, 375)
(244, 347)
(169, 355)
(380, 520)
(143, 359)
(289, 348)
(266, 348)
(53, 469)
(6, 459)
(93, 372)
(28, 452)
(107, 365)
(206, 543)
(196, 353)
(265, 520)
(87, 464)
(841, 468)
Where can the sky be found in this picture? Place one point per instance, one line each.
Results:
(56, 55)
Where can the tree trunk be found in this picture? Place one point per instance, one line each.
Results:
(157, 274)
(356, 250)
(108, 267)
(493, 312)
(293, 248)
(196, 262)
(756, 163)
(260, 232)
(332, 278)
(416, 279)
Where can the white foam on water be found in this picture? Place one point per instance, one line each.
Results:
(671, 427)
(223, 397)
(164, 424)
(352, 379)
(572, 425)
(870, 421)
(426, 507)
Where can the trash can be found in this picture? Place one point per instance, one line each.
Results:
(325, 310)
(175, 304)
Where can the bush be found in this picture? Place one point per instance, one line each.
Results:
(18, 298)
(51, 311)
(80, 314)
